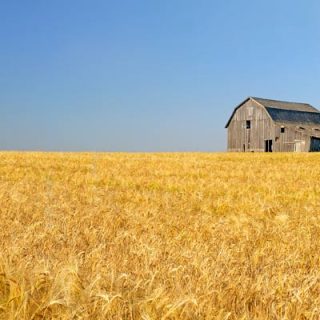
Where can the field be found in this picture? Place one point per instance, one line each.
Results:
(159, 236)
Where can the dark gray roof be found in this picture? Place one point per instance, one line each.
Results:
(286, 105)
(293, 116)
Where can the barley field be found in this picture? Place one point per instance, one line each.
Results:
(159, 236)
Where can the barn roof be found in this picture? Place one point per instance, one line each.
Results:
(286, 105)
(293, 116)
(285, 111)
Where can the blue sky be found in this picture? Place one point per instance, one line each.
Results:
(147, 75)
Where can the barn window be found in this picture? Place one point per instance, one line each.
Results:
(248, 124)
(282, 129)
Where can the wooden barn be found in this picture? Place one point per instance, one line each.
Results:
(263, 125)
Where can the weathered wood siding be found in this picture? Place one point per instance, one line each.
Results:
(294, 134)
(262, 128)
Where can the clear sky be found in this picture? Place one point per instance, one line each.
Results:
(148, 75)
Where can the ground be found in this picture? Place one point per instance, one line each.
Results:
(159, 236)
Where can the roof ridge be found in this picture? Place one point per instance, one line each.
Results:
(281, 101)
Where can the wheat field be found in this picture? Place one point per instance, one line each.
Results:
(159, 236)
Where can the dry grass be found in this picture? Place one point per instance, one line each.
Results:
(159, 236)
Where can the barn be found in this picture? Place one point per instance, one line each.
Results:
(264, 125)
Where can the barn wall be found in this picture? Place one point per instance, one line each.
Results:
(262, 127)
(285, 142)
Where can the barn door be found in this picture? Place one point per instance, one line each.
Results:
(297, 146)
(315, 144)
(267, 145)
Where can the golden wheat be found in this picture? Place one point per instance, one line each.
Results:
(159, 236)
